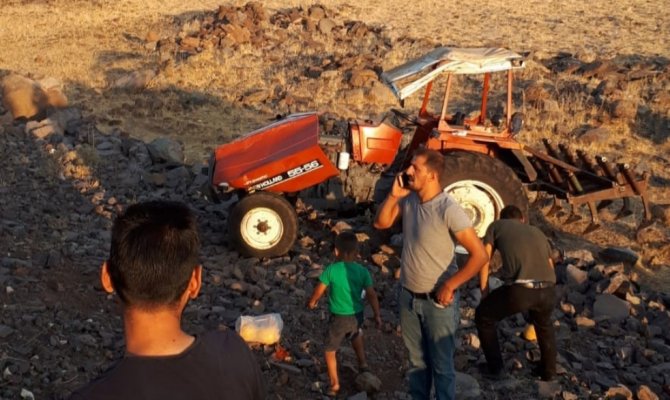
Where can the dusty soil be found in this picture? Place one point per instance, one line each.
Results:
(87, 44)
(62, 331)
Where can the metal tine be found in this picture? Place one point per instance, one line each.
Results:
(573, 217)
(548, 169)
(539, 197)
(609, 173)
(550, 148)
(588, 164)
(645, 223)
(539, 167)
(625, 209)
(574, 182)
(628, 175)
(568, 154)
(645, 203)
(595, 221)
(603, 204)
(570, 158)
(591, 228)
(556, 207)
(607, 169)
(555, 174)
(592, 167)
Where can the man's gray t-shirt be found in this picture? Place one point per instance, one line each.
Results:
(524, 250)
(428, 241)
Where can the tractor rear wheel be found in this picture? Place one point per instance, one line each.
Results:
(482, 185)
(263, 225)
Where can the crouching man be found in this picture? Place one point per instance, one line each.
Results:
(529, 277)
(153, 268)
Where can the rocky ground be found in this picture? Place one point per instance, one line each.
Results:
(63, 181)
(63, 178)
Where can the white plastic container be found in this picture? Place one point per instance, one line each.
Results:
(343, 161)
(265, 329)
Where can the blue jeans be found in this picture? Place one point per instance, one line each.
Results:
(429, 333)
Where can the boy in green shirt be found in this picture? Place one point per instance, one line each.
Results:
(347, 279)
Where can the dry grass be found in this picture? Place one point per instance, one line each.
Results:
(86, 43)
(205, 101)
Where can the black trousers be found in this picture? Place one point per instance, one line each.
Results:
(511, 299)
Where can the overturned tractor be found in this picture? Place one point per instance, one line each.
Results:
(487, 168)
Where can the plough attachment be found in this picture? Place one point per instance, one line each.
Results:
(578, 179)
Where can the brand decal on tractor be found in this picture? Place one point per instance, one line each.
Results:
(260, 178)
(269, 182)
(290, 174)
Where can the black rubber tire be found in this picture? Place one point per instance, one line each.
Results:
(467, 166)
(287, 221)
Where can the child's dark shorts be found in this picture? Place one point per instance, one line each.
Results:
(342, 326)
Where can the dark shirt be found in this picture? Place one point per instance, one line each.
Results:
(524, 250)
(218, 365)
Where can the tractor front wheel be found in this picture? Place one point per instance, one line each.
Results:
(263, 225)
(483, 186)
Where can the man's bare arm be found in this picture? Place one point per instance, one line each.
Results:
(476, 260)
(389, 211)
(484, 272)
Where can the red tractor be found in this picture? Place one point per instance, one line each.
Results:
(486, 168)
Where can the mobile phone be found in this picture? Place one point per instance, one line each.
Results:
(404, 179)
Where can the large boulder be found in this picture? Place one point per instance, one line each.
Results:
(623, 109)
(26, 98)
(608, 306)
(619, 254)
(22, 96)
(467, 387)
(368, 382)
(166, 150)
(133, 81)
(575, 276)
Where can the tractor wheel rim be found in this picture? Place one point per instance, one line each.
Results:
(480, 201)
(262, 228)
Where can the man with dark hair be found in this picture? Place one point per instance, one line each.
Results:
(511, 212)
(529, 277)
(429, 312)
(153, 267)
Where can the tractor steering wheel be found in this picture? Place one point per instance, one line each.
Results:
(401, 114)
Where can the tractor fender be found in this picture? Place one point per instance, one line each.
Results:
(525, 163)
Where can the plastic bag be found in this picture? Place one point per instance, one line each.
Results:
(265, 329)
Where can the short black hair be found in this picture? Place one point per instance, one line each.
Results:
(347, 243)
(511, 212)
(434, 160)
(154, 250)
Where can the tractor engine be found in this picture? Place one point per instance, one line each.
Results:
(357, 182)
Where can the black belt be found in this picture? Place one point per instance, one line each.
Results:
(422, 296)
(535, 284)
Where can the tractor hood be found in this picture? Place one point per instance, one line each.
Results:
(417, 73)
(262, 158)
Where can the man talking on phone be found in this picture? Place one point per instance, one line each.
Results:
(432, 221)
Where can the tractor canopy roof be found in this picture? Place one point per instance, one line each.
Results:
(417, 73)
